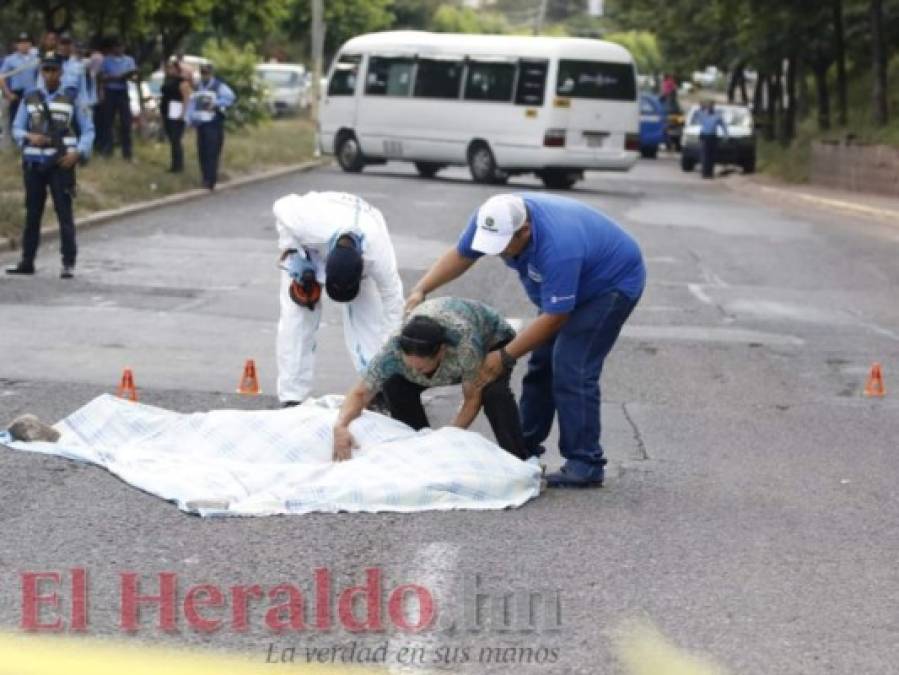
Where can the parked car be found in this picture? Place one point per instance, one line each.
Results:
(737, 148)
(288, 86)
(653, 120)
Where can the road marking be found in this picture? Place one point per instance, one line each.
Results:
(436, 562)
(699, 293)
(836, 203)
(710, 334)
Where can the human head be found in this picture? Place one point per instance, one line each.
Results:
(206, 72)
(23, 43)
(50, 41)
(116, 47)
(422, 344)
(502, 226)
(343, 268)
(51, 67)
(65, 45)
(173, 66)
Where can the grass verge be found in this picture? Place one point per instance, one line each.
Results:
(111, 183)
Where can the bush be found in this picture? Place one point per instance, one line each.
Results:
(236, 67)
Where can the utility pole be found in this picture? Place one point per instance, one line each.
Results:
(318, 49)
(541, 17)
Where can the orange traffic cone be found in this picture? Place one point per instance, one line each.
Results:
(126, 389)
(249, 383)
(875, 386)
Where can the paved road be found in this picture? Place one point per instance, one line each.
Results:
(752, 508)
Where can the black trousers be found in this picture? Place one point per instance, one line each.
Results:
(174, 130)
(61, 184)
(708, 147)
(116, 104)
(404, 400)
(210, 139)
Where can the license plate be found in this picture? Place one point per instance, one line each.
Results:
(594, 140)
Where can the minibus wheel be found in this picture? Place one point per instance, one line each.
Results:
(349, 154)
(482, 164)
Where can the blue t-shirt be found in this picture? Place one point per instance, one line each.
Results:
(575, 254)
(25, 79)
(114, 66)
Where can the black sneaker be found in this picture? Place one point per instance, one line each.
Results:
(289, 404)
(68, 272)
(22, 268)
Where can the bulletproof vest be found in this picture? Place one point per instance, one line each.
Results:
(53, 119)
(205, 102)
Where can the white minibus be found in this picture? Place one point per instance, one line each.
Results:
(501, 104)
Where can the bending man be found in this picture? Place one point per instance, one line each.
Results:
(586, 275)
(338, 241)
(443, 342)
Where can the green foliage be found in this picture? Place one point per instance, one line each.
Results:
(236, 66)
(643, 46)
(344, 19)
(453, 19)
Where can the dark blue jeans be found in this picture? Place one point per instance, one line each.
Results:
(563, 378)
(210, 138)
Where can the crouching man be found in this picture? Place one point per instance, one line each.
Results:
(443, 342)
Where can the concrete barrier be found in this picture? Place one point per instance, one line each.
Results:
(856, 167)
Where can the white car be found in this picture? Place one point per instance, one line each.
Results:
(737, 147)
(288, 86)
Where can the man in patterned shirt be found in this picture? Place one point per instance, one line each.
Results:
(443, 342)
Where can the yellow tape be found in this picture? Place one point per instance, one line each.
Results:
(32, 655)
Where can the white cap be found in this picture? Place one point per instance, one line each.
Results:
(497, 220)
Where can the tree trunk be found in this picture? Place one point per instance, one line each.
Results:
(788, 131)
(773, 104)
(820, 69)
(879, 58)
(839, 51)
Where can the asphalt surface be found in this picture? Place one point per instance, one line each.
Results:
(751, 508)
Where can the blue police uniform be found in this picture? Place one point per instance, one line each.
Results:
(206, 111)
(116, 103)
(709, 123)
(581, 263)
(52, 114)
(24, 69)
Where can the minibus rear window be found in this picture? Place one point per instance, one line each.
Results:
(596, 79)
(531, 82)
(438, 79)
(343, 79)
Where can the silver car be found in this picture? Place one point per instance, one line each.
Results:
(737, 148)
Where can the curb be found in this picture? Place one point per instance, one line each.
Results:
(94, 219)
(891, 216)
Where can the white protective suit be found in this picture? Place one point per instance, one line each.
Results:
(312, 222)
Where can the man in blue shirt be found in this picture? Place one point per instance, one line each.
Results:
(44, 129)
(117, 69)
(206, 111)
(18, 73)
(586, 275)
(710, 120)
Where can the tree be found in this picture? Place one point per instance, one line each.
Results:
(343, 20)
(879, 59)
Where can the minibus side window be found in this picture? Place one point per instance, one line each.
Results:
(438, 79)
(343, 79)
(388, 76)
(531, 82)
(489, 81)
(596, 79)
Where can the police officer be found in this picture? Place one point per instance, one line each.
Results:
(710, 120)
(44, 130)
(586, 275)
(206, 112)
(19, 73)
(115, 72)
(341, 242)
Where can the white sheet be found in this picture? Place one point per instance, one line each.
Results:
(236, 462)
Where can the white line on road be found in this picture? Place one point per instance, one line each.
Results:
(435, 562)
(699, 293)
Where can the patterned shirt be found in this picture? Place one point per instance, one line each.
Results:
(472, 329)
